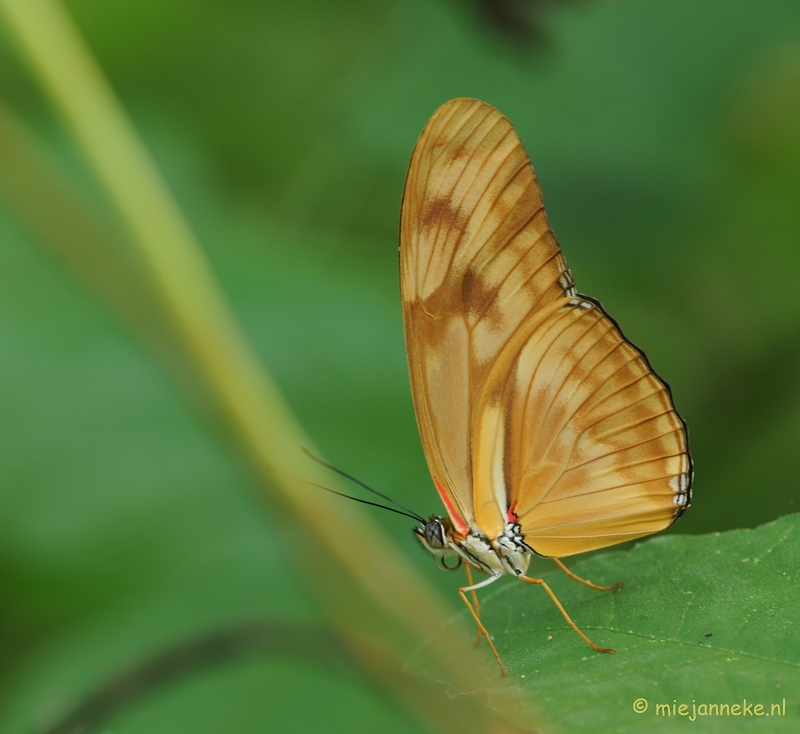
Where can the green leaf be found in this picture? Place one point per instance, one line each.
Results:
(700, 620)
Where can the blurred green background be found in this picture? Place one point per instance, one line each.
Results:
(666, 138)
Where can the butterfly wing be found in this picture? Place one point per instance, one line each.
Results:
(529, 400)
(477, 259)
(578, 434)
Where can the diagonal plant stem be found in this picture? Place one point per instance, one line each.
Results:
(372, 572)
(185, 284)
(43, 197)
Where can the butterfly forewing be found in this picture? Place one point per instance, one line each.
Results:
(530, 402)
(477, 257)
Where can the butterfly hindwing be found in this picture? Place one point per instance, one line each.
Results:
(592, 452)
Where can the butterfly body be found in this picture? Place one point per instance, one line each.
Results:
(506, 553)
(546, 431)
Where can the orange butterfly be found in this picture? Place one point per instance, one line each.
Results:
(545, 430)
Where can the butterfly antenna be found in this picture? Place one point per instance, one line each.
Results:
(405, 510)
(413, 516)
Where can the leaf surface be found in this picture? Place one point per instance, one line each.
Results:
(709, 619)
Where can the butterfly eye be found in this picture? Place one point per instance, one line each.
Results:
(434, 534)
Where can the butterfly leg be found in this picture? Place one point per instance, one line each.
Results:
(584, 581)
(462, 592)
(475, 603)
(563, 611)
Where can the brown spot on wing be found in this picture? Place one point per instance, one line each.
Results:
(440, 212)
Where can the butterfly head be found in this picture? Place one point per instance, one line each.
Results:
(436, 536)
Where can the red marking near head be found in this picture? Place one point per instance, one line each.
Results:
(512, 516)
(460, 525)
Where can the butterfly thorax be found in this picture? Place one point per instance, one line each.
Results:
(507, 553)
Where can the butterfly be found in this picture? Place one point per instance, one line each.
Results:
(545, 430)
